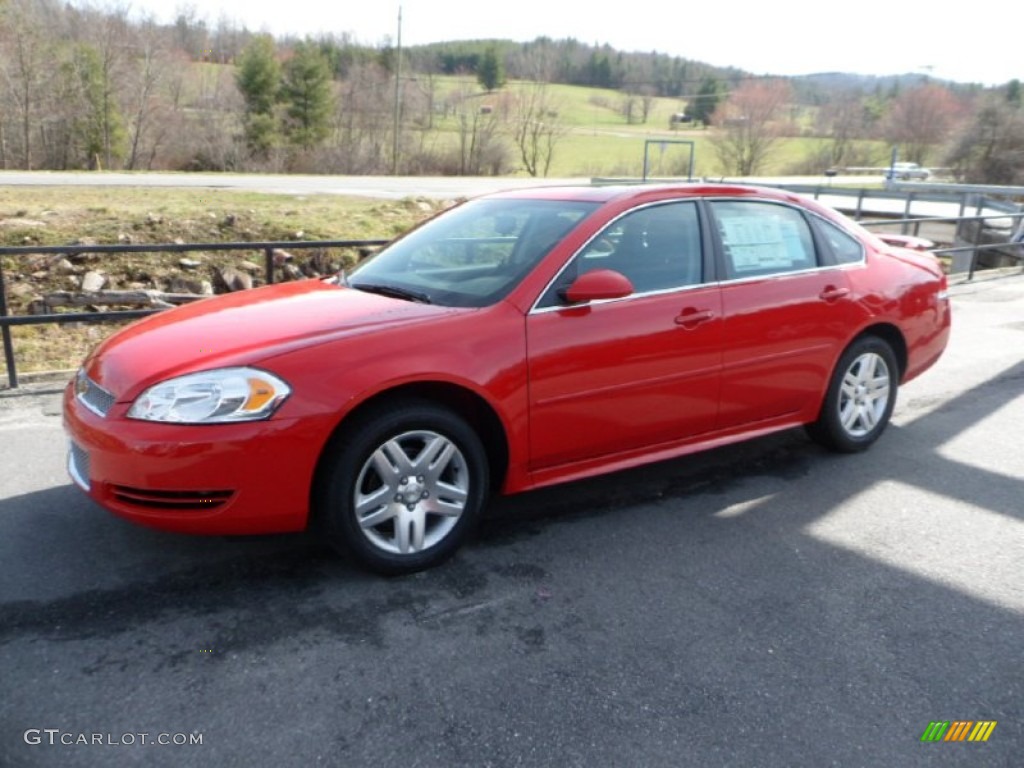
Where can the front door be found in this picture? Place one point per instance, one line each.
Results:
(611, 377)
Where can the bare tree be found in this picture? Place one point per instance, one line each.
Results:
(150, 66)
(921, 118)
(990, 147)
(842, 120)
(479, 147)
(25, 62)
(363, 120)
(750, 125)
(536, 127)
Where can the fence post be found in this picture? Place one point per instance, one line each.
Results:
(12, 372)
(905, 227)
(977, 243)
(268, 264)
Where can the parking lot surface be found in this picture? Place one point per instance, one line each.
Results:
(763, 605)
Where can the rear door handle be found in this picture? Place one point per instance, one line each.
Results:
(832, 293)
(691, 317)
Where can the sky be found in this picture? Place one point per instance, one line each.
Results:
(783, 37)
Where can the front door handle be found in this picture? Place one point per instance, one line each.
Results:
(691, 317)
(832, 293)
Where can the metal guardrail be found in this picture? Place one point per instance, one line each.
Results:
(1010, 248)
(908, 194)
(7, 320)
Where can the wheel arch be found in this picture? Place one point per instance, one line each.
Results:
(476, 410)
(892, 336)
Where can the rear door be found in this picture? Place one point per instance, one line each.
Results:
(787, 311)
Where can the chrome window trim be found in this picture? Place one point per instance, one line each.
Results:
(795, 273)
(599, 302)
(860, 264)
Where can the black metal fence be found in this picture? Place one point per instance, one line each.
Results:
(269, 250)
(972, 235)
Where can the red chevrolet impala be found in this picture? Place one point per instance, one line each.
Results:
(515, 341)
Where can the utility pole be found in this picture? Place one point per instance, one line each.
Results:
(398, 96)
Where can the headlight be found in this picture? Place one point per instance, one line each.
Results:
(212, 397)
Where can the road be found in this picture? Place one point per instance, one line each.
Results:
(763, 605)
(386, 187)
(436, 188)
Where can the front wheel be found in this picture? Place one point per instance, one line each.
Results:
(860, 397)
(402, 488)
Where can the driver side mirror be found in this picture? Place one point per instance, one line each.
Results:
(596, 285)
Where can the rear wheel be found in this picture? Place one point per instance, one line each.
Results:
(402, 488)
(860, 397)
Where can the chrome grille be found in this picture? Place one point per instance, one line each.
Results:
(93, 396)
(78, 465)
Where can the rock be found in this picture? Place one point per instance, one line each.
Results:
(249, 266)
(63, 267)
(234, 280)
(183, 285)
(93, 281)
(152, 218)
(291, 272)
(187, 263)
(124, 237)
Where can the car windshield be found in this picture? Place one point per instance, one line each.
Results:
(471, 256)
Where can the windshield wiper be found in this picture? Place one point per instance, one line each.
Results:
(393, 291)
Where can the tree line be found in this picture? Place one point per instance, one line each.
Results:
(88, 88)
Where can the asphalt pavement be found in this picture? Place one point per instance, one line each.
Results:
(762, 605)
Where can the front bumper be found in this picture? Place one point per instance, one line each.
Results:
(225, 479)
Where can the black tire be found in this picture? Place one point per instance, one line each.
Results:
(400, 489)
(860, 397)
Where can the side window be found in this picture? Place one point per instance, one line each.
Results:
(845, 247)
(763, 239)
(658, 248)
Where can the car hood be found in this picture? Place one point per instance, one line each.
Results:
(243, 328)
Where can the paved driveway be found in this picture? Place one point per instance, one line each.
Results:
(767, 605)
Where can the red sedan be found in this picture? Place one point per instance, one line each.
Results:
(515, 341)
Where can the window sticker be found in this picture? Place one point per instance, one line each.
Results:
(763, 242)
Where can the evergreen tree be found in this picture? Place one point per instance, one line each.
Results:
(1013, 96)
(706, 101)
(259, 80)
(306, 90)
(490, 73)
(99, 127)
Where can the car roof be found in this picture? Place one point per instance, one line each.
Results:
(604, 193)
